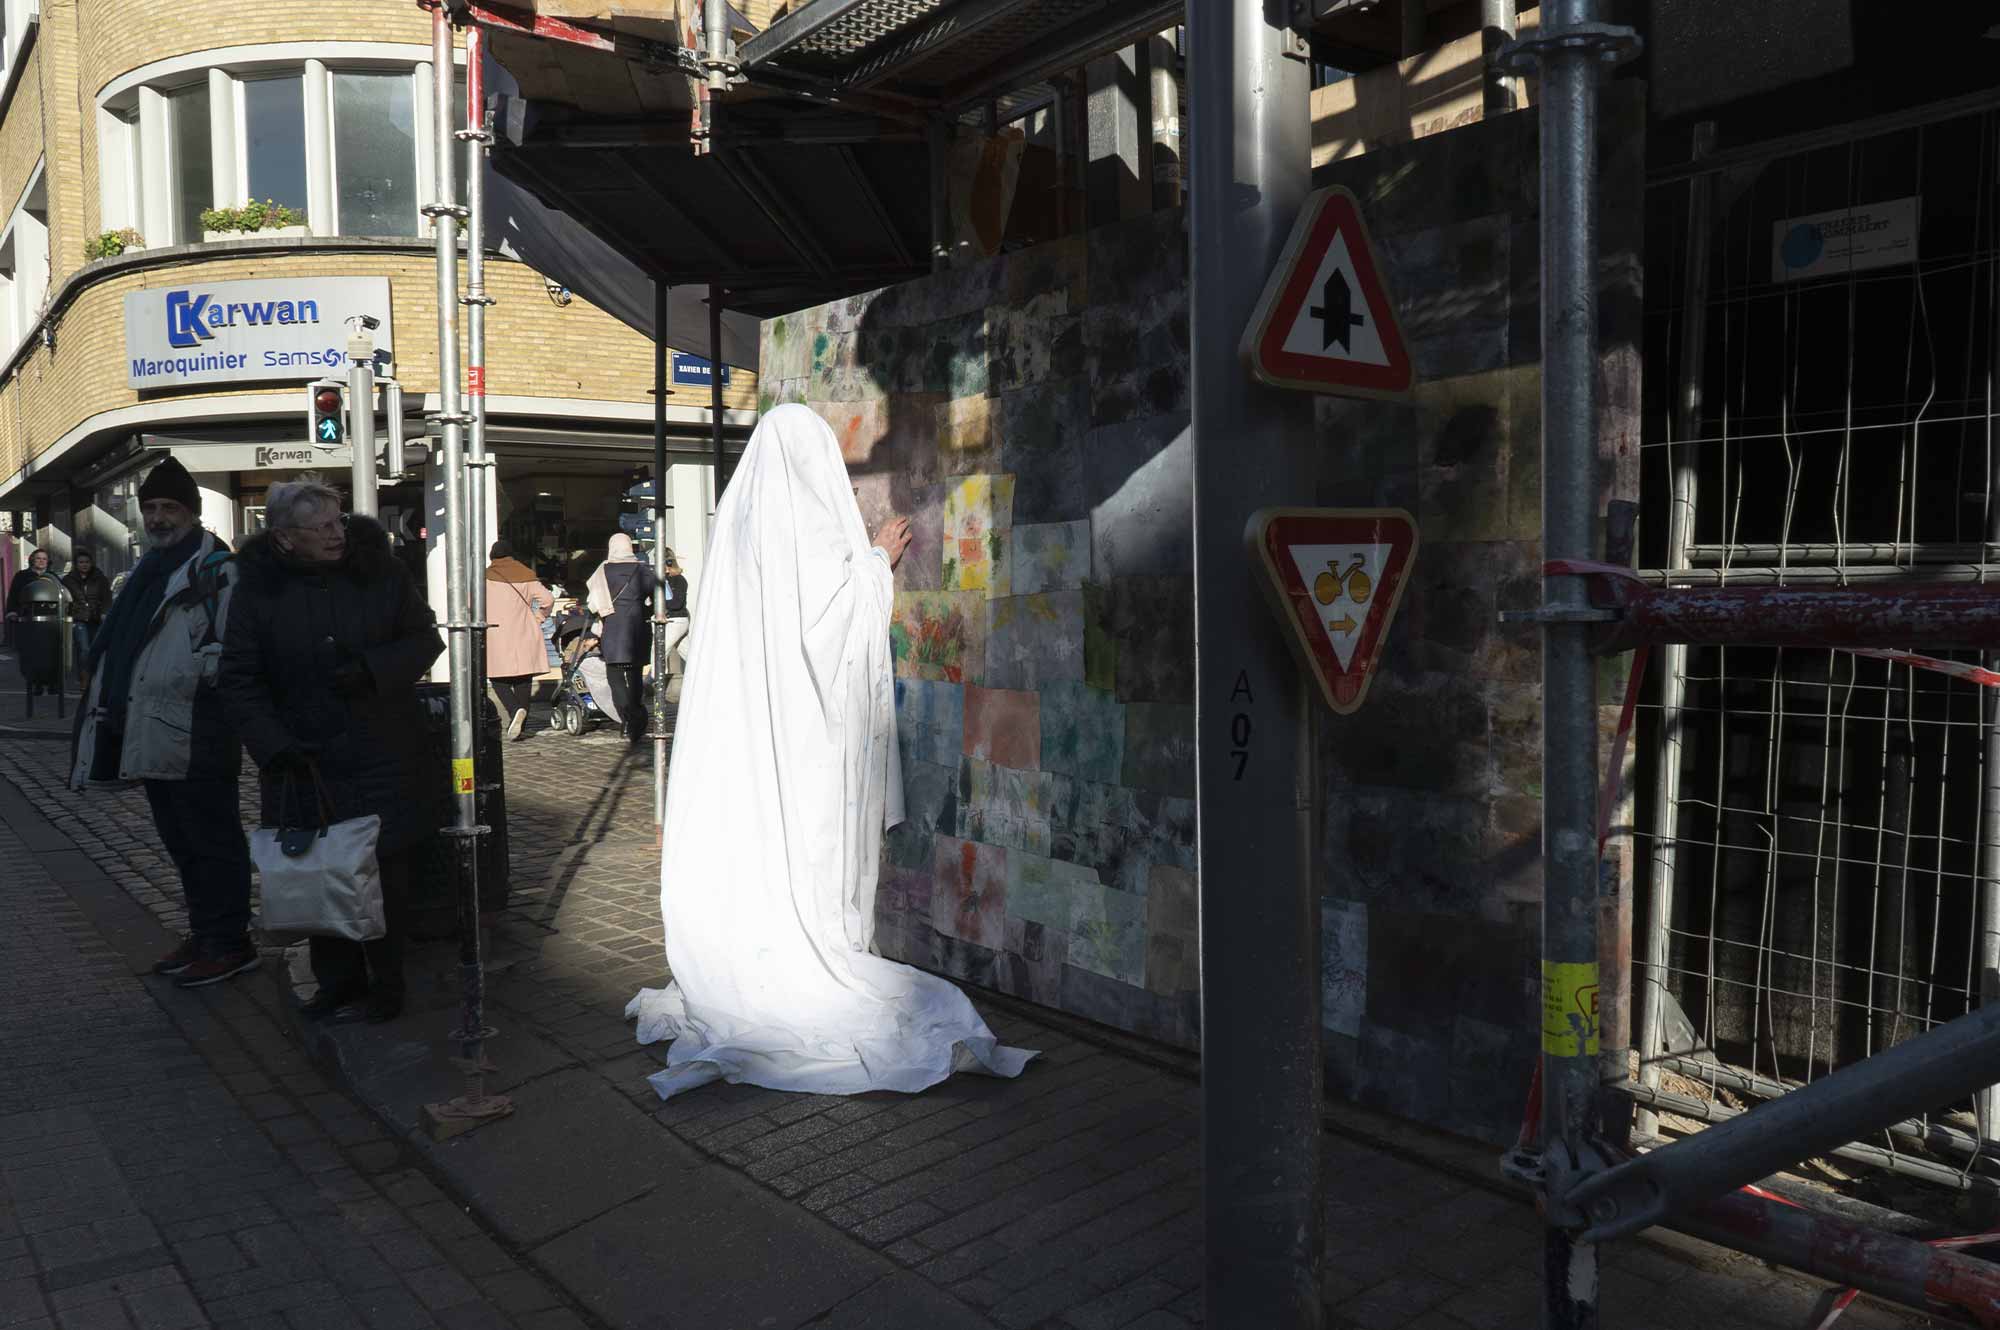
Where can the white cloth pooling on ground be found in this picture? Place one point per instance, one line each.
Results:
(784, 777)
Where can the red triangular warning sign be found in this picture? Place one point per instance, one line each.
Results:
(1336, 576)
(1325, 321)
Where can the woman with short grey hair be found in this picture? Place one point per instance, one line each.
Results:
(327, 640)
(299, 503)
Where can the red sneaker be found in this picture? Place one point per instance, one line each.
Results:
(219, 961)
(179, 958)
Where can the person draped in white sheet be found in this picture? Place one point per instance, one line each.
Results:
(783, 778)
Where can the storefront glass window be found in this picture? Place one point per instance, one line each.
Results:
(194, 170)
(375, 153)
(274, 117)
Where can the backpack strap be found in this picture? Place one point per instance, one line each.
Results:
(205, 587)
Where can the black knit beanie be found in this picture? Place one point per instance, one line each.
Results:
(170, 480)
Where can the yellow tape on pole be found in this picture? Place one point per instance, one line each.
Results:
(461, 775)
(1569, 1008)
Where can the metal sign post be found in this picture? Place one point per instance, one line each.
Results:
(1252, 445)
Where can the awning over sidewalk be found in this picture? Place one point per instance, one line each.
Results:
(560, 246)
(814, 178)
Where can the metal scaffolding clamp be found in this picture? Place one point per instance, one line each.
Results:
(1613, 43)
(481, 299)
(456, 210)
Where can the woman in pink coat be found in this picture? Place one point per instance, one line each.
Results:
(516, 604)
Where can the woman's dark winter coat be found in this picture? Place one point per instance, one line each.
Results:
(627, 635)
(292, 628)
(90, 595)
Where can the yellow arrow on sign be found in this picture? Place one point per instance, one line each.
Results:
(1344, 624)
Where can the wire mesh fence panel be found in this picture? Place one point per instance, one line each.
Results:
(1814, 837)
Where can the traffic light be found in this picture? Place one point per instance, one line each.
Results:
(328, 429)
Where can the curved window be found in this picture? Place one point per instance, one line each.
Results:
(344, 142)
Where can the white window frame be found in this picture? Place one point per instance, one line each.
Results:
(419, 77)
(17, 16)
(146, 201)
(120, 172)
(24, 277)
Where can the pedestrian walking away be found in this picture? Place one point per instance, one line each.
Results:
(328, 638)
(516, 651)
(152, 713)
(620, 595)
(90, 598)
(784, 779)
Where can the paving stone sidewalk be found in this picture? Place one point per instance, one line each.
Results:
(172, 1159)
(1068, 1198)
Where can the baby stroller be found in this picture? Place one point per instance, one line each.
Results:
(583, 697)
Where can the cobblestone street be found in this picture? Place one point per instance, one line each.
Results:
(177, 1159)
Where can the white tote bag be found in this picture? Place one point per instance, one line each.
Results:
(320, 879)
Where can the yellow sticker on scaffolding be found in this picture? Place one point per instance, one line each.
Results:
(461, 775)
(1569, 1009)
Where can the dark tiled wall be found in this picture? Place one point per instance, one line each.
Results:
(1030, 415)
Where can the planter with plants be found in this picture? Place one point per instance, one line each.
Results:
(111, 244)
(259, 217)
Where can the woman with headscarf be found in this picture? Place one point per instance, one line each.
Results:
(620, 597)
(784, 778)
(516, 651)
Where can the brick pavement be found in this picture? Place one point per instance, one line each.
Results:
(1065, 1199)
(171, 1159)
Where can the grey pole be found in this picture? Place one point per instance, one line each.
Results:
(479, 474)
(1853, 1103)
(1260, 1050)
(361, 420)
(1571, 47)
(1497, 27)
(1652, 980)
(1163, 74)
(392, 412)
(1987, 1101)
(461, 627)
(659, 551)
(938, 140)
(715, 381)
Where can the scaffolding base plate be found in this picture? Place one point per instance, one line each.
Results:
(458, 1116)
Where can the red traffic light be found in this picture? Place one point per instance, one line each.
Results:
(327, 400)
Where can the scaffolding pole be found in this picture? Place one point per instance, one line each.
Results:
(715, 382)
(475, 1106)
(1652, 980)
(1987, 948)
(659, 716)
(1571, 47)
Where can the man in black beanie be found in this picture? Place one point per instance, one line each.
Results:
(151, 714)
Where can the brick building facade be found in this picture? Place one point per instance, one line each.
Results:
(134, 118)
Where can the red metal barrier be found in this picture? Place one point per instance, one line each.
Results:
(1900, 1269)
(1931, 615)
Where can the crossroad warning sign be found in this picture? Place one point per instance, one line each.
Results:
(1325, 321)
(1335, 577)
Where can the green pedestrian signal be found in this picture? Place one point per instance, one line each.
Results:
(327, 428)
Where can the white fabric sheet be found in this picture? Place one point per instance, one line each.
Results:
(784, 777)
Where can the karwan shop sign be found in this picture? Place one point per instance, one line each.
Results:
(232, 332)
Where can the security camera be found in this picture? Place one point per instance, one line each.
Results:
(368, 321)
